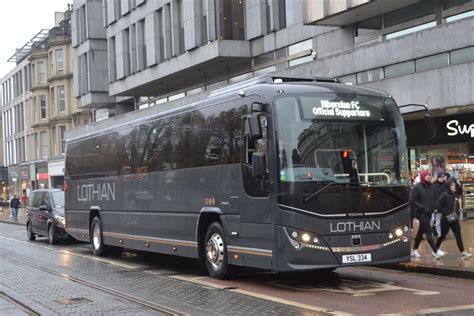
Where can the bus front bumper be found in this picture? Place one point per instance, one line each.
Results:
(299, 250)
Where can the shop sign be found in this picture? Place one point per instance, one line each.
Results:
(449, 130)
(24, 173)
(41, 176)
(455, 128)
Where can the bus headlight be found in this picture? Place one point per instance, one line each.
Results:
(399, 232)
(390, 235)
(405, 229)
(305, 237)
(294, 234)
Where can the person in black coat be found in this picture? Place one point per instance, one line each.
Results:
(448, 204)
(15, 205)
(439, 188)
(422, 204)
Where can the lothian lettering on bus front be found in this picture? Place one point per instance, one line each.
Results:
(96, 192)
(362, 226)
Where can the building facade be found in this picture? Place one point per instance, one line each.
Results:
(169, 52)
(38, 106)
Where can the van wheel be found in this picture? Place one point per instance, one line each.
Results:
(215, 252)
(52, 238)
(29, 231)
(97, 240)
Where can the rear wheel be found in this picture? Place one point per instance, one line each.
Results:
(97, 241)
(52, 238)
(215, 252)
(29, 231)
(98, 247)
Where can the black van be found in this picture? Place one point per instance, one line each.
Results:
(45, 215)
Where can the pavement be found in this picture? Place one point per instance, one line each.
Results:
(452, 265)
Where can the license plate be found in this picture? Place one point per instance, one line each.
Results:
(362, 257)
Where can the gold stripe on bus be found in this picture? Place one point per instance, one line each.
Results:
(152, 239)
(250, 251)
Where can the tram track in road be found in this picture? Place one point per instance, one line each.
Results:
(23, 307)
(150, 305)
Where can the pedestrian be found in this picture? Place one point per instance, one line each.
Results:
(14, 205)
(449, 208)
(422, 203)
(439, 188)
(24, 199)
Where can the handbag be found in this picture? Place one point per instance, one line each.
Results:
(453, 217)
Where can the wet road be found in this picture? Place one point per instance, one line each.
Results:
(67, 278)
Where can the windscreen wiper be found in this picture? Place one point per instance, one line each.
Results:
(307, 199)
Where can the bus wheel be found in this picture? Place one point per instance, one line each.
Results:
(98, 247)
(215, 252)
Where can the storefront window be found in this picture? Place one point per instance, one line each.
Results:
(455, 159)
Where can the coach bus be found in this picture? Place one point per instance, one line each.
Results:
(281, 174)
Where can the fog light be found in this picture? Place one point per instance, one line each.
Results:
(305, 237)
(294, 234)
(297, 245)
(399, 232)
(316, 240)
(405, 239)
(405, 229)
(390, 235)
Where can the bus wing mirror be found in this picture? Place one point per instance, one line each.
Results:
(430, 124)
(259, 165)
(255, 126)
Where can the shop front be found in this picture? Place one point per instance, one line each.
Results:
(56, 174)
(14, 182)
(450, 151)
(3, 184)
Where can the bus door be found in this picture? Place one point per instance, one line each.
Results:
(256, 216)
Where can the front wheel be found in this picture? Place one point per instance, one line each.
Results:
(29, 232)
(215, 252)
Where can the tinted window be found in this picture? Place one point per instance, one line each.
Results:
(31, 199)
(216, 135)
(38, 199)
(167, 144)
(58, 198)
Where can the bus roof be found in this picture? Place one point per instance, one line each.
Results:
(265, 86)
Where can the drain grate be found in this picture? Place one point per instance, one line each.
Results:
(73, 301)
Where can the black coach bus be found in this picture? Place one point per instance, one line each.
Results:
(286, 174)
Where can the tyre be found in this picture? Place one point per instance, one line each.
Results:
(215, 252)
(97, 240)
(52, 238)
(29, 231)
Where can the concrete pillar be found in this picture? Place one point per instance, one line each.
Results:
(255, 18)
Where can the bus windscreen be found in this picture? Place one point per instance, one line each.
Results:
(340, 138)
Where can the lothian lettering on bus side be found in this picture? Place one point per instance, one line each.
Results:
(343, 227)
(96, 192)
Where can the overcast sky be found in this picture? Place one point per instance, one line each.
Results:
(20, 20)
